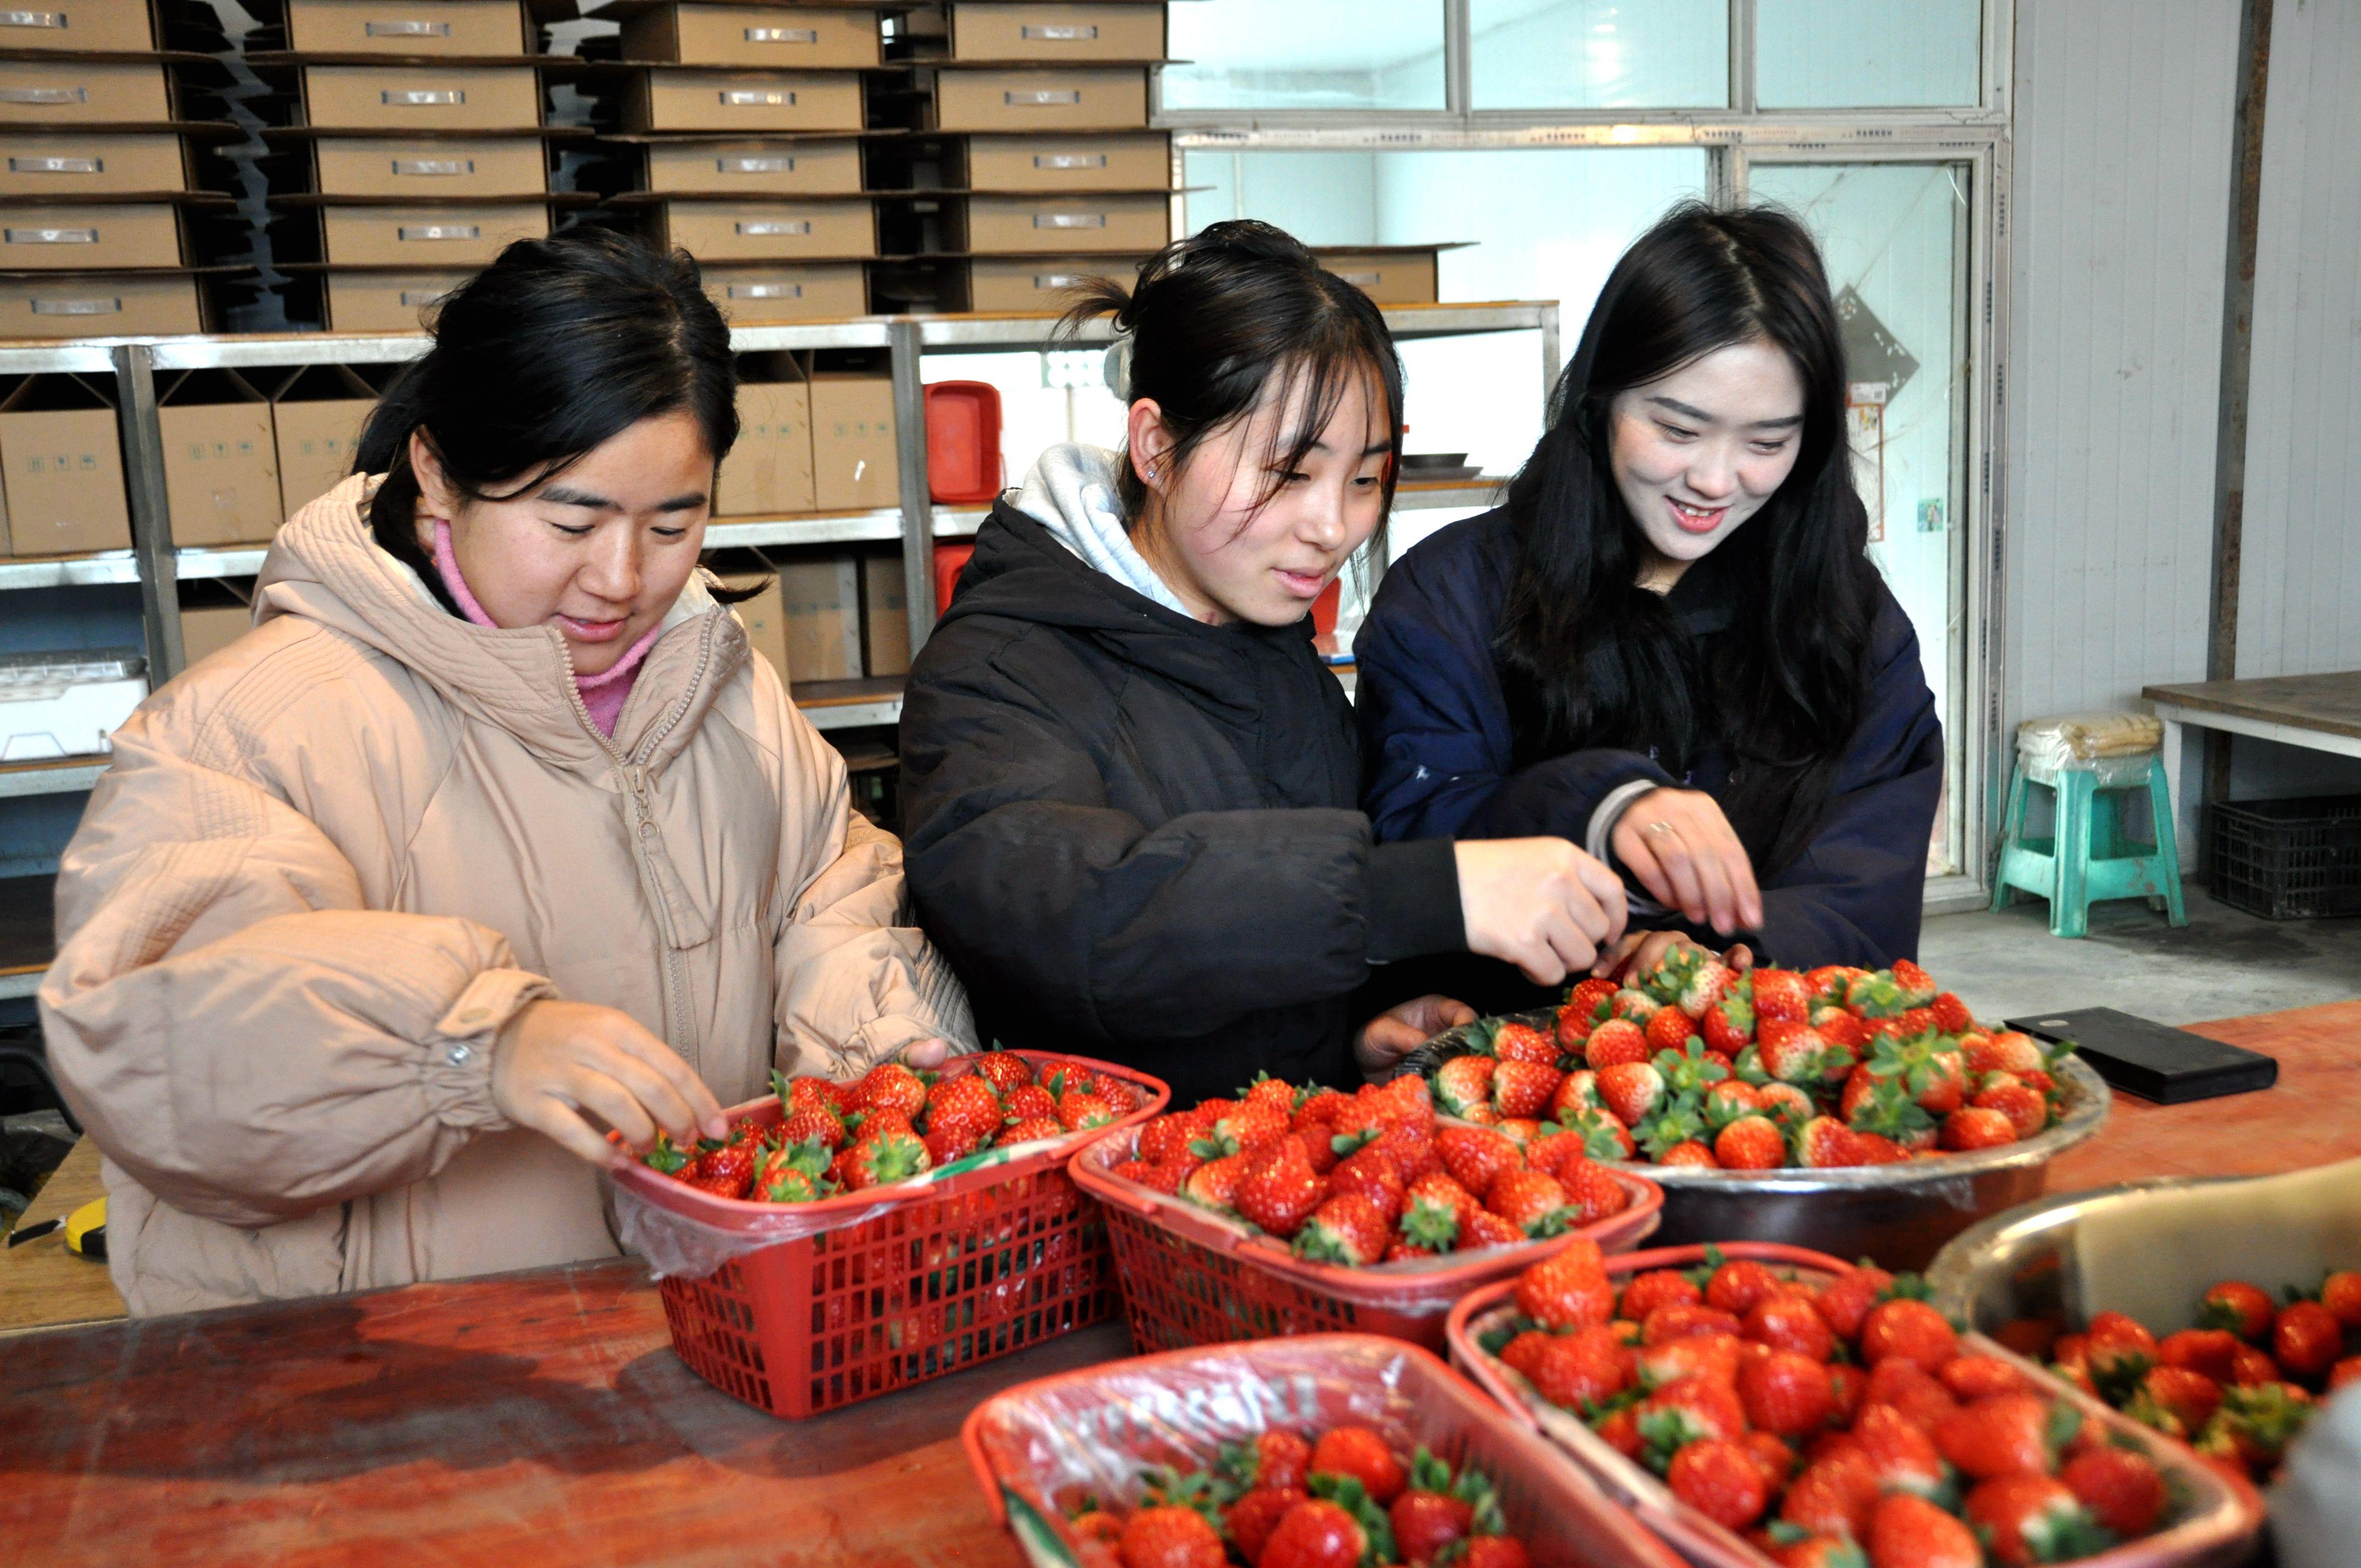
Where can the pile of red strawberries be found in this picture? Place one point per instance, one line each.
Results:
(1697, 1065)
(890, 1124)
(1369, 1177)
(1284, 1501)
(1826, 1422)
(2239, 1385)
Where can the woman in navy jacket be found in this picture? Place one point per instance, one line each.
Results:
(1670, 645)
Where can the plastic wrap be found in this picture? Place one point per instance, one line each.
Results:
(2119, 747)
(1040, 1448)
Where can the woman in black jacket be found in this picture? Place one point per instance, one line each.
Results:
(1129, 785)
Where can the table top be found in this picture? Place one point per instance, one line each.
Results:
(2331, 702)
(42, 1283)
(543, 1419)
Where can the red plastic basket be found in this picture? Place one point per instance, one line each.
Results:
(2218, 1517)
(964, 442)
(1193, 1277)
(955, 1273)
(1040, 1447)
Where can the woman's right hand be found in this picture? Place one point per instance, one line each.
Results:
(557, 1059)
(1686, 853)
(1542, 903)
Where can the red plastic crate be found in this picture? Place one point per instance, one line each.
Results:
(2216, 1521)
(954, 1272)
(1042, 1446)
(963, 465)
(1193, 1277)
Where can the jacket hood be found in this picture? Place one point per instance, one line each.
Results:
(1073, 492)
(325, 568)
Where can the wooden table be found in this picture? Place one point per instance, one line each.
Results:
(541, 1417)
(41, 1283)
(2322, 712)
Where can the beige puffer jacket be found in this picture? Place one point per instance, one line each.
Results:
(329, 862)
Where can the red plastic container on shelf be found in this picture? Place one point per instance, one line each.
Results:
(950, 560)
(1191, 1277)
(910, 1284)
(1041, 1447)
(963, 465)
(2217, 1516)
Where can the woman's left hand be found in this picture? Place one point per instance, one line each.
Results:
(1641, 952)
(1398, 1031)
(924, 1056)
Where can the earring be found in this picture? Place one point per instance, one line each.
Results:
(1151, 473)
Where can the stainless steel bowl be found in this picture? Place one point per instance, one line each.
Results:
(1899, 1214)
(2022, 1263)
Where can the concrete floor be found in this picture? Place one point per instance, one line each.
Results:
(2223, 964)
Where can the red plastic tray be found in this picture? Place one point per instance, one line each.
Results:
(1193, 1277)
(2218, 1521)
(964, 442)
(950, 560)
(957, 1272)
(1041, 1446)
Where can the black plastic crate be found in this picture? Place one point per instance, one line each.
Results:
(2288, 859)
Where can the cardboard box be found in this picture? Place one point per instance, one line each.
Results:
(1390, 277)
(1042, 100)
(436, 170)
(765, 168)
(90, 165)
(764, 617)
(821, 601)
(854, 454)
(66, 702)
(61, 456)
(885, 614)
(316, 416)
(1033, 284)
(791, 38)
(377, 27)
(206, 630)
(387, 302)
(137, 305)
(1023, 225)
(421, 97)
(221, 466)
(770, 470)
(662, 100)
(757, 230)
(751, 296)
(83, 237)
(78, 25)
(1069, 163)
(81, 93)
(459, 233)
(1058, 32)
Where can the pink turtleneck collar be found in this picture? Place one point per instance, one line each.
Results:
(603, 695)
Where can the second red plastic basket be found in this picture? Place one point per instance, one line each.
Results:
(1192, 1277)
(949, 1274)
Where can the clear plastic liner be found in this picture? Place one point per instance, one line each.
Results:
(2119, 747)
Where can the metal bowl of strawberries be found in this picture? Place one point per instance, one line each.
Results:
(1845, 1109)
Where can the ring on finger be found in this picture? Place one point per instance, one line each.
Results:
(1657, 827)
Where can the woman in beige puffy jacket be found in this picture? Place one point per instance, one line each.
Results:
(489, 838)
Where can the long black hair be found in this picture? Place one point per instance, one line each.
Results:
(1213, 318)
(556, 346)
(1588, 658)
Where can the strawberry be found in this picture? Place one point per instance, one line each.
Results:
(1275, 1093)
(2005, 1434)
(1321, 1106)
(1727, 1025)
(1910, 1330)
(1369, 1173)
(1685, 1320)
(1690, 1409)
(1278, 1458)
(2117, 1351)
(886, 1153)
(726, 1172)
(1550, 1152)
(1797, 1053)
(1591, 1191)
(1620, 1430)
(1643, 1293)
(1532, 1202)
(890, 1086)
(1576, 1092)
(2185, 1401)
(1588, 998)
(2245, 1310)
(1568, 1289)
(1784, 1104)
(1519, 1130)
(1316, 1533)
(2306, 1340)
(1523, 1352)
(813, 1124)
(1434, 1207)
(1462, 1082)
(1951, 1014)
(1835, 1496)
(1347, 1229)
(1522, 1088)
(2121, 1489)
(1673, 1123)
(1737, 1285)
(1031, 1102)
(1485, 1229)
(1778, 993)
(1163, 1138)
(966, 1106)
(2341, 1294)
(2025, 1519)
(1004, 1070)
(1786, 1394)
(1972, 1377)
(1823, 1142)
(1972, 1128)
(1901, 1455)
(2007, 1051)
(1425, 1523)
(1715, 1357)
(1079, 1111)
(2257, 1424)
(1633, 1003)
(1630, 1091)
(1241, 1130)
(1279, 1190)
(1029, 1130)
(1727, 1101)
(1615, 1042)
(945, 1144)
(1911, 1389)
(1215, 1183)
(1251, 1518)
(1669, 1031)
(1476, 1156)
(1357, 1454)
(1586, 1367)
(1787, 1320)
(1845, 1301)
(1907, 1532)
(1751, 1143)
(1494, 1551)
(1720, 1480)
(2252, 1368)
(1513, 1041)
(1691, 980)
(2026, 1109)
(1171, 1537)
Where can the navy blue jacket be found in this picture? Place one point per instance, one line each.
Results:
(1439, 757)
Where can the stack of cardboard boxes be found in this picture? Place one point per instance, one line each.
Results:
(96, 194)
(418, 144)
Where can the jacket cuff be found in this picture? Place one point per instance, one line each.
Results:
(1413, 901)
(1598, 839)
(458, 1068)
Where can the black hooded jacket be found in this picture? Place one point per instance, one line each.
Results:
(1136, 836)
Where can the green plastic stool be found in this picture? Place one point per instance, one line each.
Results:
(2088, 858)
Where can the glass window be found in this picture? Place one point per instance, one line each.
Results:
(1865, 54)
(1893, 235)
(1599, 54)
(1306, 54)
